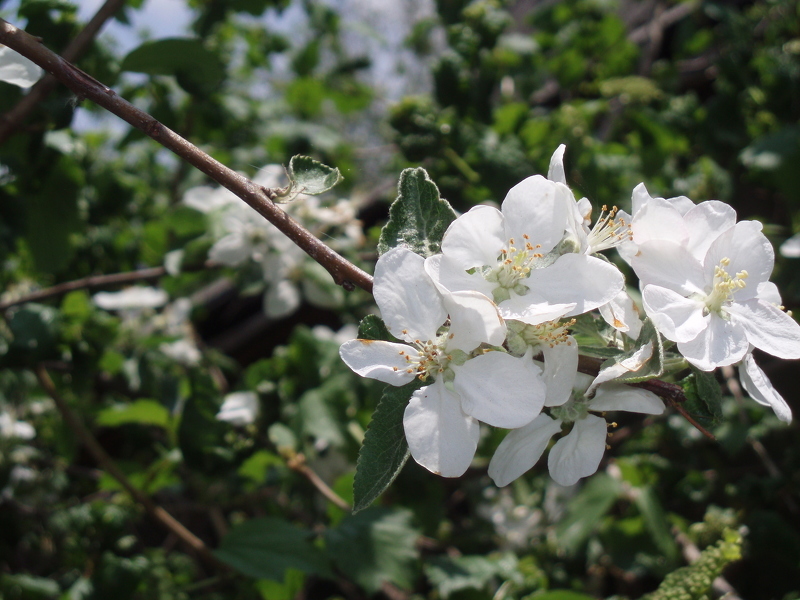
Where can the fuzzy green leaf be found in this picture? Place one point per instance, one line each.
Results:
(309, 176)
(266, 547)
(703, 397)
(385, 450)
(418, 218)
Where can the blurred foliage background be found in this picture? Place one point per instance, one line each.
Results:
(695, 98)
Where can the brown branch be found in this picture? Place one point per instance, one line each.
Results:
(15, 117)
(671, 392)
(107, 463)
(297, 462)
(344, 273)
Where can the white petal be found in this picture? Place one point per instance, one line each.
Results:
(658, 220)
(560, 369)
(556, 170)
(768, 292)
(410, 305)
(533, 309)
(722, 343)
(677, 318)
(539, 209)
(616, 396)
(768, 327)
(758, 386)
(131, 298)
(281, 299)
(639, 198)
(628, 365)
(521, 449)
(450, 276)
(239, 408)
(500, 389)
(623, 315)
(232, 250)
(791, 247)
(474, 320)
(578, 454)
(440, 436)
(18, 70)
(748, 250)
(670, 265)
(587, 281)
(705, 223)
(376, 359)
(475, 238)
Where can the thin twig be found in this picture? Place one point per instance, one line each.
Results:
(344, 273)
(107, 463)
(86, 283)
(297, 463)
(671, 392)
(15, 117)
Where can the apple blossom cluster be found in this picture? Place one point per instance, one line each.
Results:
(486, 322)
(243, 237)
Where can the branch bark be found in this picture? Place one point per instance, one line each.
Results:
(344, 273)
(15, 117)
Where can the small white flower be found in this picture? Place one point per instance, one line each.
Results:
(516, 256)
(715, 299)
(12, 428)
(16, 69)
(239, 408)
(131, 298)
(441, 420)
(578, 454)
(623, 315)
(182, 351)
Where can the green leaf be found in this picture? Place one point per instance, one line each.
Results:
(656, 522)
(309, 176)
(418, 218)
(703, 397)
(266, 547)
(194, 67)
(585, 511)
(35, 329)
(629, 368)
(374, 546)
(385, 449)
(144, 412)
(451, 575)
(28, 586)
(372, 327)
(560, 595)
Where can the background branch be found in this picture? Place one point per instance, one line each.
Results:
(15, 117)
(344, 272)
(107, 463)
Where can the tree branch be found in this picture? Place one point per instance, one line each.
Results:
(344, 273)
(107, 463)
(15, 117)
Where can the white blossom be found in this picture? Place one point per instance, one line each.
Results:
(518, 256)
(132, 298)
(715, 299)
(441, 420)
(239, 408)
(578, 454)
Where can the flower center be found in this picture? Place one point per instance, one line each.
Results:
(431, 358)
(513, 265)
(724, 287)
(521, 335)
(572, 410)
(608, 231)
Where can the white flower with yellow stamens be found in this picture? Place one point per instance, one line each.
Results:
(519, 257)
(441, 420)
(716, 306)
